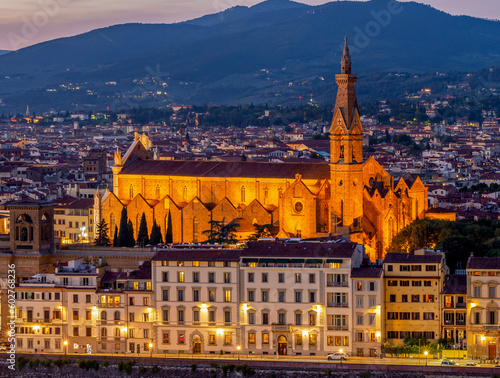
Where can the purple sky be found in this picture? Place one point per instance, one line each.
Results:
(69, 17)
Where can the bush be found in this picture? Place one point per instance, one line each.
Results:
(45, 362)
(104, 364)
(142, 369)
(93, 364)
(66, 361)
(57, 362)
(328, 373)
(21, 363)
(33, 363)
(81, 364)
(156, 369)
(193, 368)
(225, 370)
(128, 368)
(365, 374)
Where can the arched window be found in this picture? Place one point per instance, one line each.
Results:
(158, 191)
(280, 192)
(104, 315)
(117, 315)
(112, 224)
(195, 230)
(117, 332)
(391, 229)
(242, 194)
(131, 191)
(104, 332)
(137, 224)
(341, 212)
(266, 195)
(184, 193)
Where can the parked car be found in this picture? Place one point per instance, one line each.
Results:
(337, 356)
(471, 364)
(448, 363)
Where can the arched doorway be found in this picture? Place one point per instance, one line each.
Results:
(196, 344)
(282, 345)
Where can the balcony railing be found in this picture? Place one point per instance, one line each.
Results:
(337, 284)
(449, 322)
(460, 322)
(337, 304)
(338, 328)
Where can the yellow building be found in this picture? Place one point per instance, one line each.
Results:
(412, 288)
(483, 298)
(350, 196)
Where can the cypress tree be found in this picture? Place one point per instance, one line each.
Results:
(155, 237)
(102, 238)
(115, 237)
(142, 236)
(130, 241)
(169, 236)
(123, 233)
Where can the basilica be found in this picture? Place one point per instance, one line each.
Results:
(350, 196)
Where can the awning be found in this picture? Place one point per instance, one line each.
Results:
(250, 260)
(314, 261)
(297, 261)
(330, 261)
(266, 261)
(282, 261)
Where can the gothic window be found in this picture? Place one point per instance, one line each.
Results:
(280, 192)
(158, 191)
(184, 193)
(242, 194)
(137, 223)
(342, 151)
(112, 224)
(131, 191)
(195, 230)
(266, 195)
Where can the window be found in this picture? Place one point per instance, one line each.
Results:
(392, 316)
(211, 316)
(166, 338)
(180, 276)
(404, 298)
(211, 295)
(165, 295)
(227, 316)
(404, 283)
(180, 316)
(265, 296)
(298, 319)
(477, 317)
(392, 334)
(359, 319)
(251, 338)
(371, 286)
(88, 315)
(251, 295)
(392, 298)
(298, 278)
(359, 302)
(165, 315)
(281, 296)
(88, 298)
(312, 278)
(416, 283)
(416, 268)
(281, 277)
(145, 301)
(88, 331)
(430, 268)
(264, 277)
(250, 277)
(211, 263)
(491, 291)
(359, 286)
(75, 298)
(372, 302)
(196, 295)
(389, 268)
(415, 298)
(298, 296)
(312, 296)
(477, 291)
(227, 295)
(312, 319)
(428, 316)
(427, 283)
(75, 315)
(131, 317)
(165, 276)
(404, 315)
(371, 319)
(211, 339)
(404, 268)
(265, 318)
(265, 338)
(180, 295)
(196, 316)
(392, 283)
(415, 316)
(75, 331)
(211, 277)
(196, 276)
(181, 338)
(281, 318)
(428, 298)
(227, 277)
(251, 318)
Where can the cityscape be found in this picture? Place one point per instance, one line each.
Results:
(336, 213)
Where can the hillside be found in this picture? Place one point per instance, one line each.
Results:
(276, 51)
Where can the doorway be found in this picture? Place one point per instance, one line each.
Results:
(196, 345)
(492, 351)
(282, 345)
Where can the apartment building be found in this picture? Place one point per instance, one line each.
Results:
(454, 309)
(196, 300)
(412, 287)
(53, 308)
(74, 222)
(483, 298)
(367, 310)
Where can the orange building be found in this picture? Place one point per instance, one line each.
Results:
(349, 196)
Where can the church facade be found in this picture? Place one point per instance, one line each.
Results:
(350, 196)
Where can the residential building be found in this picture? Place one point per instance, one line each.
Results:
(454, 309)
(412, 286)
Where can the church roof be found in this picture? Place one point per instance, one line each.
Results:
(309, 171)
(312, 250)
(198, 255)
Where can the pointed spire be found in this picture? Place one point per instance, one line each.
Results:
(346, 59)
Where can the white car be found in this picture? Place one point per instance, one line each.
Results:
(337, 356)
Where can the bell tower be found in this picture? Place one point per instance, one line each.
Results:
(346, 153)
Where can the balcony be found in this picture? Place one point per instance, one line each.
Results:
(461, 305)
(449, 322)
(337, 284)
(338, 328)
(280, 327)
(491, 327)
(461, 322)
(337, 304)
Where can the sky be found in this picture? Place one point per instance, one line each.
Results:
(27, 22)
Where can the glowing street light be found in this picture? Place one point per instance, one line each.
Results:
(426, 353)
(150, 349)
(238, 348)
(65, 347)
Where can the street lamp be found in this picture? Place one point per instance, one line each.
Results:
(341, 351)
(238, 348)
(426, 353)
(150, 349)
(65, 347)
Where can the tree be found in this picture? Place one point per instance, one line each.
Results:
(261, 232)
(168, 233)
(243, 157)
(130, 234)
(123, 233)
(142, 236)
(115, 237)
(102, 238)
(155, 237)
(220, 233)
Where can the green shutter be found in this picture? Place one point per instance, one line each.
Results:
(282, 261)
(329, 261)
(250, 260)
(297, 261)
(266, 261)
(314, 261)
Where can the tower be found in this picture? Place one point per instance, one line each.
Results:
(346, 153)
